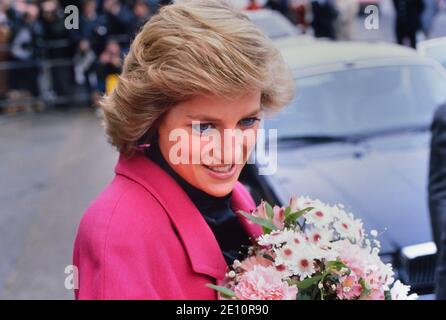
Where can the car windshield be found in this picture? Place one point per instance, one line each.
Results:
(361, 101)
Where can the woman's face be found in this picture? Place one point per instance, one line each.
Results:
(211, 139)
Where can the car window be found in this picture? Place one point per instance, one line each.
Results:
(362, 101)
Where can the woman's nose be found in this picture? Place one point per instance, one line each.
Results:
(232, 146)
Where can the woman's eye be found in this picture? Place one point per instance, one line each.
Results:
(202, 127)
(248, 122)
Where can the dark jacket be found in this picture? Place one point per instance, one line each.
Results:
(408, 14)
(324, 17)
(437, 195)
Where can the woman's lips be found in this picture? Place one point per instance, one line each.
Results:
(222, 171)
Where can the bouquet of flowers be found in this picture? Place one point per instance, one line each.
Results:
(311, 251)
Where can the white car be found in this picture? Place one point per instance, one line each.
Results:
(434, 48)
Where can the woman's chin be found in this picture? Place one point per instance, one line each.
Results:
(219, 190)
(219, 185)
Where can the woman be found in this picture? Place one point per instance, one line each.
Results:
(165, 228)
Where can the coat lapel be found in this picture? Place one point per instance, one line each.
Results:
(242, 200)
(197, 237)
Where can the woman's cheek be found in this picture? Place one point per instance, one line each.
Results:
(249, 144)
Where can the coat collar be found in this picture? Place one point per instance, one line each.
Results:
(198, 239)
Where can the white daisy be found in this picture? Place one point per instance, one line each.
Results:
(400, 291)
(349, 228)
(303, 264)
(320, 216)
(277, 237)
(319, 236)
(285, 255)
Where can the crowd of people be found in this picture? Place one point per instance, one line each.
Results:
(335, 19)
(332, 19)
(32, 32)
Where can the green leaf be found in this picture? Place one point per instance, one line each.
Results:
(268, 225)
(223, 290)
(303, 295)
(365, 289)
(269, 210)
(291, 218)
(267, 256)
(305, 284)
(287, 212)
(336, 265)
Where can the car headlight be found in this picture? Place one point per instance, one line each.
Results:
(417, 265)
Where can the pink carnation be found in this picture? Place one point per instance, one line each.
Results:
(353, 256)
(249, 263)
(264, 283)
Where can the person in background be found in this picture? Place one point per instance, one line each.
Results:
(253, 5)
(437, 197)
(58, 49)
(24, 54)
(154, 6)
(142, 12)
(90, 28)
(109, 66)
(431, 9)
(408, 20)
(278, 5)
(118, 21)
(345, 23)
(163, 3)
(324, 18)
(299, 10)
(84, 66)
(5, 32)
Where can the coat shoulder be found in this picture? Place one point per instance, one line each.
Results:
(123, 212)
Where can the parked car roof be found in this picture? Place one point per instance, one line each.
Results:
(321, 53)
(273, 24)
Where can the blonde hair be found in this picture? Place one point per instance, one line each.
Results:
(191, 48)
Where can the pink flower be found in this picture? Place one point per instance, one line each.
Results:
(249, 263)
(293, 203)
(375, 294)
(279, 217)
(349, 288)
(353, 256)
(264, 283)
(260, 212)
(278, 214)
(375, 285)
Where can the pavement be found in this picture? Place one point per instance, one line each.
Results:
(53, 165)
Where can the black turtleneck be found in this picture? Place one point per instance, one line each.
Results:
(227, 229)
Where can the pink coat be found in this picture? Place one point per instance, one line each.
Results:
(143, 238)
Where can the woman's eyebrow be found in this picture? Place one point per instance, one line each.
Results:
(202, 117)
(210, 118)
(252, 114)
